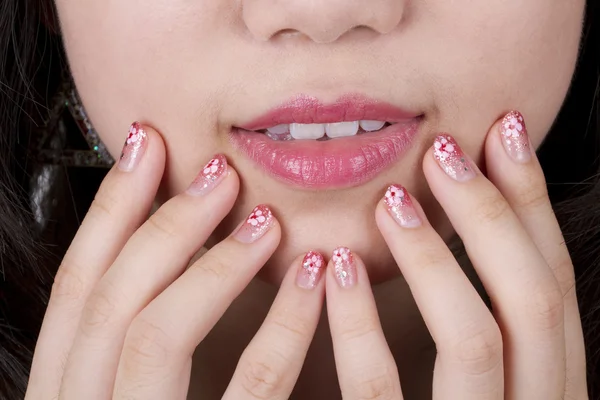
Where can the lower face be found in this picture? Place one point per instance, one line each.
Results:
(199, 71)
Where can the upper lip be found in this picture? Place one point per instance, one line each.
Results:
(309, 110)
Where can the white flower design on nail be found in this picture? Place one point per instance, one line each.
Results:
(513, 127)
(211, 167)
(341, 255)
(394, 195)
(443, 148)
(312, 263)
(257, 217)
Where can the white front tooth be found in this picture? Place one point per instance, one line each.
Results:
(371, 126)
(279, 129)
(307, 131)
(339, 129)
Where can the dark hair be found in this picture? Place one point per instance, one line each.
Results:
(32, 63)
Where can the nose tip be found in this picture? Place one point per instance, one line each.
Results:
(322, 21)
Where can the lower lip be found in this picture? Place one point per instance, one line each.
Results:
(341, 162)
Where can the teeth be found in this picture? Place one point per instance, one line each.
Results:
(318, 131)
(279, 129)
(371, 126)
(307, 131)
(339, 129)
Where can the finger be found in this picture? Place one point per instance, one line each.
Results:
(270, 365)
(365, 365)
(156, 358)
(156, 254)
(469, 363)
(513, 167)
(525, 296)
(123, 201)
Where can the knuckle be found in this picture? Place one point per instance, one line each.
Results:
(431, 257)
(292, 324)
(162, 225)
(377, 383)
(546, 310)
(358, 328)
(261, 379)
(147, 348)
(68, 287)
(101, 311)
(479, 350)
(104, 202)
(211, 265)
(532, 195)
(491, 208)
(564, 274)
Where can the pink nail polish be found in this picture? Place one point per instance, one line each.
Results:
(452, 159)
(134, 147)
(310, 271)
(515, 138)
(400, 207)
(256, 225)
(210, 176)
(344, 268)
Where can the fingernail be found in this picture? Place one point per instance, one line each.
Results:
(309, 272)
(256, 225)
(451, 158)
(515, 138)
(344, 268)
(210, 176)
(400, 207)
(134, 147)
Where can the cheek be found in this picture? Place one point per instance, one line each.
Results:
(487, 58)
(137, 59)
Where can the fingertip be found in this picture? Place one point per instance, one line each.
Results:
(143, 149)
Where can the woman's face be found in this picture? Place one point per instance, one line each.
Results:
(198, 70)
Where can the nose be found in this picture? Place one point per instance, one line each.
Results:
(323, 21)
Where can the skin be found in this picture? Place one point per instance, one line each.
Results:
(175, 66)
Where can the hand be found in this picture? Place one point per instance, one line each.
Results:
(125, 315)
(530, 346)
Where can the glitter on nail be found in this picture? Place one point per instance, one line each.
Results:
(312, 266)
(451, 158)
(345, 270)
(210, 176)
(133, 148)
(514, 136)
(400, 207)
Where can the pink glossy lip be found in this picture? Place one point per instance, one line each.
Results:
(340, 162)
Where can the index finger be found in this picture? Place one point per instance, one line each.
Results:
(122, 203)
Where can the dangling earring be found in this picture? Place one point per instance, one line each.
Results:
(68, 137)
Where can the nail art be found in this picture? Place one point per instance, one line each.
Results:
(514, 137)
(134, 147)
(452, 159)
(400, 207)
(344, 268)
(256, 225)
(310, 272)
(210, 176)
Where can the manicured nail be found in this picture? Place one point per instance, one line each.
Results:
(134, 147)
(400, 207)
(515, 138)
(344, 268)
(256, 225)
(210, 176)
(452, 159)
(310, 271)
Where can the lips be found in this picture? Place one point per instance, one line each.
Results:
(340, 162)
